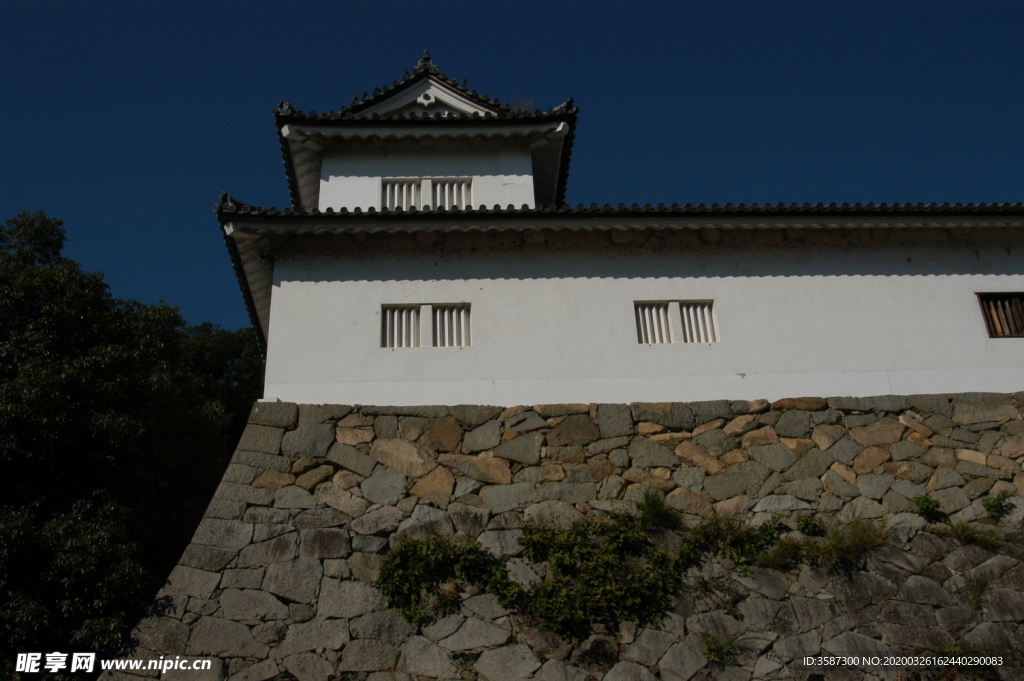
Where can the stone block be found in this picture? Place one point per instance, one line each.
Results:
(669, 414)
(272, 551)
(293, 496)
(330, 634)
(346, 599)
(576, 429)
(386, 487)
(367, 655)
(383, 520)
(311, 440)
(614, 420)
(231, 534)
(777, 456)
(471, 416)
(275, 414)
(421, 657)
(263, 439)
(524, 449)
(436, 487)
(211, 558)
(224, 638)
(296, 580)
(407, 458)
(351, 458)
(510, 663)
(795, 423)
(251, 605)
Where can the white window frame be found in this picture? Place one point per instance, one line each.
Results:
(660, 322)
(448, 325)
(425, 193)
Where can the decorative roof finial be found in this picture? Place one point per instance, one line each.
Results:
(425, 63)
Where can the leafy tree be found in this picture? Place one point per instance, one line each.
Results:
(116, 422)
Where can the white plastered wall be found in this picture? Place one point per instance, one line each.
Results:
(559, 327)
(501, 174)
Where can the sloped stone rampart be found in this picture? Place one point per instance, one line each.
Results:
(278, 580)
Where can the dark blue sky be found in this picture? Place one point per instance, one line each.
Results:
(127, 119)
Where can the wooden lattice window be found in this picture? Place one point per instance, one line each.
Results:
(1004, 314)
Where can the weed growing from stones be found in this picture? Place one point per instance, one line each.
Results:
(968, 534)
(929, 508)
(810, 526)
(844, 546)
(654, 513)
(423, 578)
(999, 506)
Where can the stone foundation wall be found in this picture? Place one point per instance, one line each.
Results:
(277, 582)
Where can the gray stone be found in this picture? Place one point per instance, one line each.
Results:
(614, 420)
(508, 497)
(408, 458)
(716, 442)
(577, 429)
(525, 422)
(556, 670)
(231, 534)
(524, 449)
(273, 551)
(260, 671)
(308, 667)
(383, 520)
(510, 663)
(162, 634)
(501, 542)
(706, 411)
(569, 492)
(367, 655)
(552, 513)
(794, 423)
(296, 580)
(846, 450)
(470, 520)
(1004, 605)
(424, 521)
(475, 633)
(311, 440)
(874, 486)
(341, 500)
(266, 531)
(240, 474)
(691, 478)
(293, 496)
(230, 491)
(837, 485)
(851, 643)
(443, 627)
(977, 470)
(365, 566)
(901, 451)
(259, 515)
(224, 638)
(808, 489)
(386, 426)
(951, 499)
(324, 543)
(956, 618)
(669, 414)
(487, 436)
(385, 487)
(316, 518)
(486, 606)
(968, 409)
(777, 456)
(811, 613)
(249, 605)
(781, 503)
(798, 646)
(262, 439)
(728, 483)
(212, 558)
(190, 581)
(649, 646)
(386, 625)
(811, 465)
(629, 671)
(247, 578)
(645, 453)
(322, 413)
(276, 414)
(351, 458)
(347, 599)
(918, 589)
(990, 637)
(421, 657)
(471, 416)
(480, 468)
(861, 508)
(684, 659)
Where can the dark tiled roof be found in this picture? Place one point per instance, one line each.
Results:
(425, 69)
(354, 114)
(228, 207)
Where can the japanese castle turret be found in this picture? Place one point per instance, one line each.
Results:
(428, 257)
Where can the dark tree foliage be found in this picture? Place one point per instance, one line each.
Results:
(116, 422)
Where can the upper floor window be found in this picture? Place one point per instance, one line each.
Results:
(691, 321)
(1004, 314)
(426, 192)
(448, 325)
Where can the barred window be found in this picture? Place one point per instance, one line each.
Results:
(451, 326)
(400, 326)
(418, 193)
(680, 321)
(652, 323)
(1004, 314)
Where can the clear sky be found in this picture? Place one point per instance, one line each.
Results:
(127, 119)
